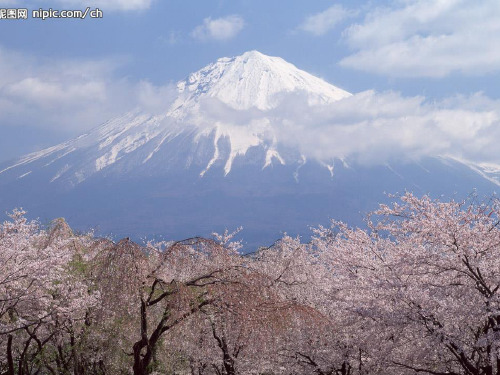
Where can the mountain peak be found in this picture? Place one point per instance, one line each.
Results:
(254, 80)
(253, 53)
(247, 56)
(195, 130)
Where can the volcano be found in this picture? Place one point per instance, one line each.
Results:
(215, 158)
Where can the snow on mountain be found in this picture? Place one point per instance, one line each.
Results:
(220, 113)
(489, 171)
(243, 88)
(216, 158)
(253, 80)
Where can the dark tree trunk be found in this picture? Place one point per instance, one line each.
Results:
(227, 358)
(10, 360)
(143, 362)
(345, 369)
(139, 363)
(77, 365)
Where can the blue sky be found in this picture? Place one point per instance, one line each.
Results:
(60, 77)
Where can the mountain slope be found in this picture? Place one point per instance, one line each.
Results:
(248, 84)
(214, 158)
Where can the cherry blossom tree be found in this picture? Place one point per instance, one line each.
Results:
(416, 291)
(42, 298)
(423, 283)
(180, 279)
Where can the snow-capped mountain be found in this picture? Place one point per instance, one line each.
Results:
(253, 80)
(214, 158)
(252, 83)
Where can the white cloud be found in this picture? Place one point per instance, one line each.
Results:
(224, 28)
(38, 91)
(172, 38)
(70, 96)
(124, 5)
(321, 23)
(375, 128)
(370, 127)
(430, 38)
